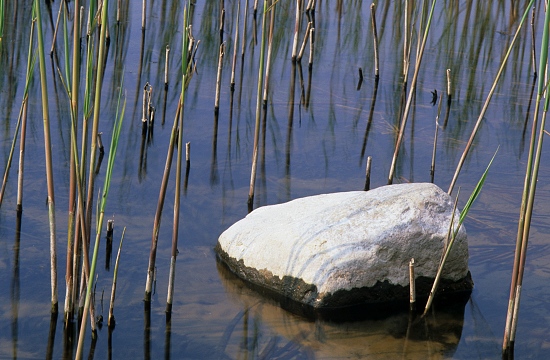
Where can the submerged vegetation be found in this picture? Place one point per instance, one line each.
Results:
(291, 130)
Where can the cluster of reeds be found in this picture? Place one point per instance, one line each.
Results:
(528, 195)
(533, 161)
(189, 47)
(80, 200)
(412, 89)
(269, 7)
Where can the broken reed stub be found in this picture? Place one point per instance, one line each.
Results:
(344, 249)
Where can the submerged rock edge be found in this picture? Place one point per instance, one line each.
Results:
(298, 290)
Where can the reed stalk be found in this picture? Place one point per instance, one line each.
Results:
(177, 197)
(100, 64)
(218, 77)
(48, 159)
(21, 124)
(244, 28)
(528, 197)
(367, 174)
(488, 99)
(432, 169)
(66, 42)
(269, 47)
(222, 24)
(101, 214)
(375, 39)
(118, 11)
(2, 6)
(296, 31)
(533, 47)
(453, 231)
(235, 43)
(311, 48)
(449, 91)
(31, 61)
(406, 42)
(143, 14)
(310, 5)
(95, 122)
(258, 110)
(166, 66)
(56, 28)
(111, 318)
(412, 286)
(304, 42)
(411, 94)
(151, 269)
(75, 85)
(160, 206)
(81, 234)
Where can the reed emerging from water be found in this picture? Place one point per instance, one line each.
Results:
(48, 157)
(528, 197)
(258, 109)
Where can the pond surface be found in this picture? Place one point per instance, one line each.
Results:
(319, 129)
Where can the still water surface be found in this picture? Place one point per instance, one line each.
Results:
(316, 139)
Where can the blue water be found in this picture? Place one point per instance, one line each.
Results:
(312, 143)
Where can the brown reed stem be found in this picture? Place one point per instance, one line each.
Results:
(304, 42)
(406, 43)
(258, 112)
(311, 46)
(111, 319)
(166, 66)
(412, 285)
(235, 43)
(177, 195)
(375, 39)
(22, 156)
(61, 4)
(118, 11)
(219, 77)
(244, 28)
(432, 169)
(143, 14)
(160, 206)
(269, 46)
(367, 174)
(222, 23)
(449, 92)
(296, 31)
(22, 112)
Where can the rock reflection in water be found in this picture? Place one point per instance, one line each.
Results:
(383, 335)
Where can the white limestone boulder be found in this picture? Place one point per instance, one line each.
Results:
(343, 249)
